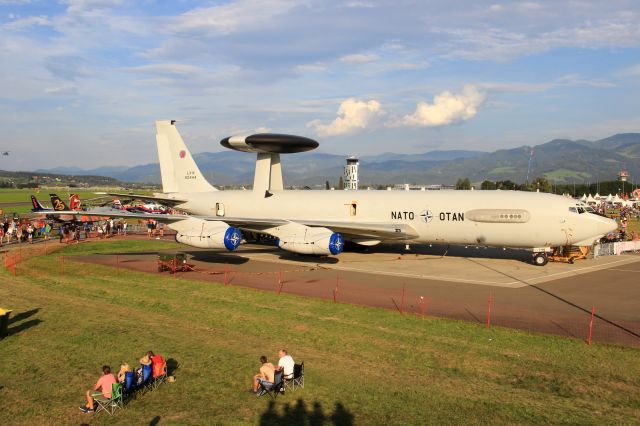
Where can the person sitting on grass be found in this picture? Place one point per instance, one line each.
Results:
(124, 368)
(265, 376)
(285, 363)
(145, 360)
(103, 385)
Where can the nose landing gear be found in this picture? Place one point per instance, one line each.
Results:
(540, 259)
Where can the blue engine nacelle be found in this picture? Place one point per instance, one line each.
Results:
(207, 234)
(322, 244)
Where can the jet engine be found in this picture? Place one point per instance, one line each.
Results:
(207, 234)
(317, 241)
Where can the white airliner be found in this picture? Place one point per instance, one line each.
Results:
(318, 222)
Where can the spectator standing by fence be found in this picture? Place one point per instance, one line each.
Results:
(30, 233)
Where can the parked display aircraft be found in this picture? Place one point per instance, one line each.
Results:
(318, 222)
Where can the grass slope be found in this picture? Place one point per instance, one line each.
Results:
(365, 365)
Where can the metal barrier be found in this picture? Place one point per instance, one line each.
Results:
(617, 248)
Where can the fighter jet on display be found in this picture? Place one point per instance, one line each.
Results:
(319, 222)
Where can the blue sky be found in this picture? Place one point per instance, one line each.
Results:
(82, 81)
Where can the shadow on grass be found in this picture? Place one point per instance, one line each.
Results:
(217, 257)
(23, 315)
(17, 328)
(155, 421)
(172, 366)
(299, 414)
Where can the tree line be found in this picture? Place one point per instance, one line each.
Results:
(544, 185)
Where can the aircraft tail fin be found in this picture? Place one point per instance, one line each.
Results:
(178, 170)
(74, 202)
(37, 207)
(57, 203)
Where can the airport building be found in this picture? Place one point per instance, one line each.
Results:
(623, 175)
(350, 181)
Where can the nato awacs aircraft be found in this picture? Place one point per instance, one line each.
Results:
(319, 222)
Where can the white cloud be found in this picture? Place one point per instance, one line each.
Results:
(308, 68)
(23, 23)
(353, 116)
(514, 87)
(360, 4)
(447, 108)
(359, 58)
(632, 71)
(75, 6)
(531, 5)
(576, 80)
(247, 15)
(65, 89)
(180, 69)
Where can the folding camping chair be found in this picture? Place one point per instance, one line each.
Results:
(129, 385)
(274, 390)
(161, 378)
(110, 405)
(147, 379)
(298, 375)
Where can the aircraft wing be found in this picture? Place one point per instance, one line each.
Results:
(109, 212)
(359, 230)
(162, 200)
(351, 230)
(373, 230)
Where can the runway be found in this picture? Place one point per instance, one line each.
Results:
(467, 284)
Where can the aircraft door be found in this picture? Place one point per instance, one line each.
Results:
(219, 209)
(353, 208)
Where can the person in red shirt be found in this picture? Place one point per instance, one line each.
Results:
(103, 385)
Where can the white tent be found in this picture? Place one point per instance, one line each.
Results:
(597, 196)
(617, 200)
(583, 198)
(591, 200)
(609, 198)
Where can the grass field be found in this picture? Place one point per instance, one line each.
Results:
(363, 365)
(10, 196)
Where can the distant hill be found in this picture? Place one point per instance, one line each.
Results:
(32, 179)
(231, 167)
(560, 160)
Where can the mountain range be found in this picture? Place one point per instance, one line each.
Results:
(559, 160)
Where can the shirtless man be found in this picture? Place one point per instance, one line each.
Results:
(264, 376)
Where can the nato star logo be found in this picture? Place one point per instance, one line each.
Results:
(426, 215)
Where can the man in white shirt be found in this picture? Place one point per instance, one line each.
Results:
(286, 363)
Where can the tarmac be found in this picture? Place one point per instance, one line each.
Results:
(485, 286)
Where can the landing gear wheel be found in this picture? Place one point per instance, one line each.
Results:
(540, 259)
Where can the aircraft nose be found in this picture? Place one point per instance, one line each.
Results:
(606, 225)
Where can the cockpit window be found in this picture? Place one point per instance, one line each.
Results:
(573, 209)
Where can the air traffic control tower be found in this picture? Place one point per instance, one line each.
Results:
(351, 174)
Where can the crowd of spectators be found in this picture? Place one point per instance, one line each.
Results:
(27, 231)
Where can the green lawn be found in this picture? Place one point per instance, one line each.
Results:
(562, 175)
(365, 365)
(10, 196)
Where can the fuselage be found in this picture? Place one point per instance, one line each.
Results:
(491, 218)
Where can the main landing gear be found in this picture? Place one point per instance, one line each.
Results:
(540, 259)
